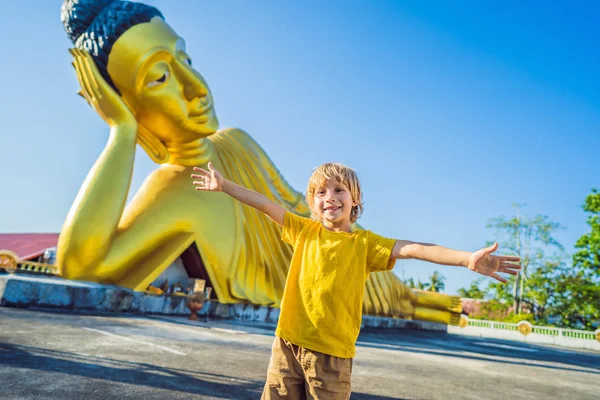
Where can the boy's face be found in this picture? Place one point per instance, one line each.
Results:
(333, 202)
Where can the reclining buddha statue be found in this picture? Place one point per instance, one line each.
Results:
(135, 72)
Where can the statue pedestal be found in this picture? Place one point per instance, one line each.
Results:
(39, 292)
(370, 321)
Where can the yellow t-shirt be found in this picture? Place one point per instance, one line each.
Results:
(321, 309)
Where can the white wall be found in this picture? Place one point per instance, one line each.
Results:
(534, 338)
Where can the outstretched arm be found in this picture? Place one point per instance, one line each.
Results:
(213, 181)
(481, 261)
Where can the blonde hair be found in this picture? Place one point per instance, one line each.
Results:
(343, 174)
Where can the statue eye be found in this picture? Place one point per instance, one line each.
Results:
(160, 80)
(188, 60)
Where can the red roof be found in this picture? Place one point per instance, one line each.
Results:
(28, 245)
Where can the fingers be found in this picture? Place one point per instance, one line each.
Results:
(89, 89)
(498, 278)
(203, 179)
(202, 172)
(492, 248)
(91, 68)
(85, 60)
(510, 265)
(201, 185)
(84, 88)
(508, 271)
(89, 75)
(509, 258)
(83, 92)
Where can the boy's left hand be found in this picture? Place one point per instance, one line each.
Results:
(483, 262)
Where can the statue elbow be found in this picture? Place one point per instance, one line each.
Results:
(77, 260)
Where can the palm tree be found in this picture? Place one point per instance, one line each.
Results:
(410, 282)
(436, 282)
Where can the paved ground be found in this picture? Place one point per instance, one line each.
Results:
(64, 356)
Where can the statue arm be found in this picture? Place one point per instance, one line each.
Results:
(94, 216)
(93, 219)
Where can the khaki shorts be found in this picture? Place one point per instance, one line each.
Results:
(298, 373)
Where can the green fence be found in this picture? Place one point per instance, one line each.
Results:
(540, 330)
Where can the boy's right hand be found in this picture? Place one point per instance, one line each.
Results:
(208, 181)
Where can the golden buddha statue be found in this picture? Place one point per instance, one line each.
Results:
(134, 71)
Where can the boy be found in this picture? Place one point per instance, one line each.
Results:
(321, 309)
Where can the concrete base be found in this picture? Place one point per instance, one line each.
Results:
(370, 321)
(29, 291)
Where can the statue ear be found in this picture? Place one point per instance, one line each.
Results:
(155, 149)
(152, 145)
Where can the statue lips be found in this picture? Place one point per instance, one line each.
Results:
(201, 114)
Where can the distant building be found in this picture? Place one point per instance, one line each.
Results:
(39, 247)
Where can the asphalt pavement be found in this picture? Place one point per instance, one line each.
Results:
(54, 355)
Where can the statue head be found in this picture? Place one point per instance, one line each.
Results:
(146, 62)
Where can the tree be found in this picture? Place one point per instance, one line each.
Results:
(576, 300)
(580, 290)
(543, 288)
(473, 292)
(436, 282)
(587, 259)
(529, 238)
(410, 282)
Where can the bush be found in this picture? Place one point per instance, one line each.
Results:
(516, 318)
(492, 310)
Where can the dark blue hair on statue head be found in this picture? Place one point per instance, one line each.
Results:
(95, 25)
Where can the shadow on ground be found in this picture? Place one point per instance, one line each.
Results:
(150, 375)
(485, 349)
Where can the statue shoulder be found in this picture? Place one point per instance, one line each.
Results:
(237, 134)
(238, 143)
(243, 142)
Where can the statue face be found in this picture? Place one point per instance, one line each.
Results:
(153, 72)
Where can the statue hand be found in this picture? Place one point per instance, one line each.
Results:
(483, 262)
(99, 94)
(208, 181)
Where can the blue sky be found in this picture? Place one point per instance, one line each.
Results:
(449, 111)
